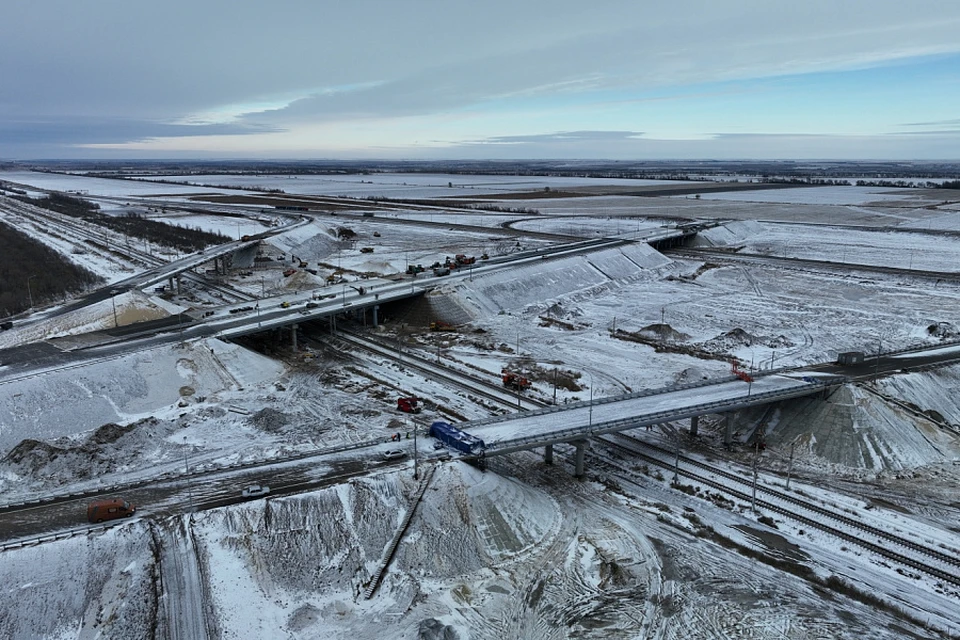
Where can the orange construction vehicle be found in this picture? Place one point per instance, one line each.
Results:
(408, 405)
(740, 373)
(439, 325)
(513, 380)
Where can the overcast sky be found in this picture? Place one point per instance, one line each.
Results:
(421, 79)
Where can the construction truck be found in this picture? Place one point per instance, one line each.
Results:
(440, 325)
(464, 259)
(409, 405)
(414, 269)
(515, 381)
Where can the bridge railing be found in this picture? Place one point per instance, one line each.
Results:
(716, 406)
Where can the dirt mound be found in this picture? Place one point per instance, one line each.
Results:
(108, 433)
(662, 332)
(943, 330)
(737, 338)
(65, 460)
(32, 452)
(270, 420)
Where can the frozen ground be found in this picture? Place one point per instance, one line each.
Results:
(524, 550)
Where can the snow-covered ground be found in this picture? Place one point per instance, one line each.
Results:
(523, 550)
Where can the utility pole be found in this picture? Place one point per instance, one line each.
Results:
(30, 291)
(876, 371)
(416, 459)
(113, 299)
(790, 464)
(676, 461)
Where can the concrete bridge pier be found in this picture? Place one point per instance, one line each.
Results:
(694, 425)
(548, 454)
(376, 309)
(578, 460)
(293, 336)
(727, 429)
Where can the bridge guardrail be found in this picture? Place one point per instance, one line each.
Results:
(199, 472)
(621, 424)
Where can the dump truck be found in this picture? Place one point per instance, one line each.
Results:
(440, 325)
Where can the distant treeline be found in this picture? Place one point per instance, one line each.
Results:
(29, 268)
(181, 238)
(908, 184)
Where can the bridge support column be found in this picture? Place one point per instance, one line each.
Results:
(376, 309)
(581, 449)
(178, 285)
(727, 429)
(293, 336)
(694, 425)
(548, 454)
(170, 285)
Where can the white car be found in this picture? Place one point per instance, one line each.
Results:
(255, 491)
(393, 454)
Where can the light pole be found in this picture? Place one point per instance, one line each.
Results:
(113, 299)
(591, 398)
(30, 291)
(186, 464)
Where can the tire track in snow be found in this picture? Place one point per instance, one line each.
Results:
(184, 596)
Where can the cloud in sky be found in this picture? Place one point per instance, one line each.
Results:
(428, 78)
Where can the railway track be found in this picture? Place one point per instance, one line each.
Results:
(472, 383)
(71, 229)
(845, 528)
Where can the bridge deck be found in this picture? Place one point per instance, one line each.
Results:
(572, 422)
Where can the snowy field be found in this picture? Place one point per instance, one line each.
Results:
(406, 185)
(523, 550)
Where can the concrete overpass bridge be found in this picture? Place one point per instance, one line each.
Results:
(575, 423)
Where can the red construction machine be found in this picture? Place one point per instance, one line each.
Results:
(408, 405)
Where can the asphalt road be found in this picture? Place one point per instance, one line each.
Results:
(164, 498)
